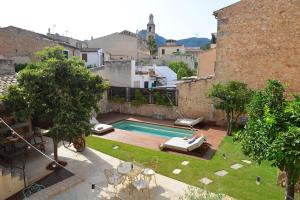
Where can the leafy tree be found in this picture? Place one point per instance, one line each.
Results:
(181, 69)
(19, 67)
(152, 45)
(139, 98)
(273, 132)
(232, 98)
(206, 46)
(60, 89)
(161, 100)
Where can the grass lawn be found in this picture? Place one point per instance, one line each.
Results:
(239, 184)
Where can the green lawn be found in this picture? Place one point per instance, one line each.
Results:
(239, 184)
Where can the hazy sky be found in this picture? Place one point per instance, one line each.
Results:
(82, 19)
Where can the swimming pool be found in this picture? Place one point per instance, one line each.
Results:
(152, 129)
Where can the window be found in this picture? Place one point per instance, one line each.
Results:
(102, 59)
(163, 51)
(150, 28)
(84, 57)
(177, 50)
(146, 84)
(66, 53)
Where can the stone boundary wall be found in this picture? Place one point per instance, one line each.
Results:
(194, 103)
(147, 110)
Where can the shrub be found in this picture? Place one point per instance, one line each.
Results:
(139, 99)
(193, 193)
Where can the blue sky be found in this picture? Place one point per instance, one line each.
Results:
(174, 19)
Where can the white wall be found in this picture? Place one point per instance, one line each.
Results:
(93, 58)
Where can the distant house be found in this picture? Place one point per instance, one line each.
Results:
(128, 74)
(67, 40)
(20, 45)
(170, 48)
(93, 57)
(122, 46)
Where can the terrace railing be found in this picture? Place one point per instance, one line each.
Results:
(161, 96)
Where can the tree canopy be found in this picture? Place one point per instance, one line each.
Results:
(152, 45)
(181, 69)
(231, 97)
(273, 131)
(60, 89)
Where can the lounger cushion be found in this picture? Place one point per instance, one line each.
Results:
(188, 122)
(102, 128)
(180, 144)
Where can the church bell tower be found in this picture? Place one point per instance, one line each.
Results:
(150, 27)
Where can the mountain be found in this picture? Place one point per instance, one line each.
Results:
(193, 42)
(159, 39)
(188, 42)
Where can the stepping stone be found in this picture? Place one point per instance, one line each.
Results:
(221, 173)
(185, 162)
(236, 166)
(176, 171)
(115, 147)
(247, 161)
(205, 181)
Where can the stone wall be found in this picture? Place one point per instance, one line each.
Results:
(147, 110)
(6, 66)
(193, 101)
(206, 63)
(259, 40)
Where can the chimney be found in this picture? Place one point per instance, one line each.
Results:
(92, 38)
(48, 30)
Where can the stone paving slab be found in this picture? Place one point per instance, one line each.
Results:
(221, 173)
(247, 161)
(236, 166)
(116, 147)
(176, 171)
(185, 162)
(205, 181)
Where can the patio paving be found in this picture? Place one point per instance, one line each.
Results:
(88, 168)
(214, 134)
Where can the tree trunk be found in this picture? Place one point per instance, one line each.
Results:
(55, 143)
(228, 123)
(290, 185)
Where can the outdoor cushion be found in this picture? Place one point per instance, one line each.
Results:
(188, 122)
(180, 144)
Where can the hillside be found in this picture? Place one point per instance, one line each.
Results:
(188, 42)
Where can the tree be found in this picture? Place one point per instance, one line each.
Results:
(139, 98)
(60, 89)
(152, 45)
(273, 132)
(232, 98)
(181, 69)
(206, 46)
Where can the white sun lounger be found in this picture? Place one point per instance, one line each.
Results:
(188, 122)
(181, 144)
(100, 128)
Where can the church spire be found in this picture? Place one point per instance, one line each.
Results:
(150, 27)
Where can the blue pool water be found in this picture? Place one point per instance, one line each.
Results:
(152, 129)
